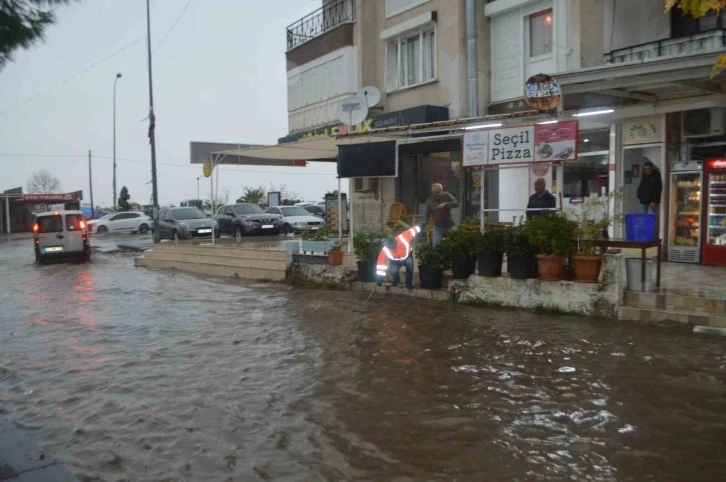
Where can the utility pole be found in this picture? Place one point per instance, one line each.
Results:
(90, 182)
(152, 128)
(118, 76)
(198, 188)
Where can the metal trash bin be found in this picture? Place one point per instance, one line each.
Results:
(633, 269)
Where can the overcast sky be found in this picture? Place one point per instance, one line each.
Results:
(219, 76)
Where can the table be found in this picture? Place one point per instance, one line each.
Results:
(641, 245)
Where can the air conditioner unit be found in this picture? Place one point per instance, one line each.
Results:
(366, 184)
(703, 122)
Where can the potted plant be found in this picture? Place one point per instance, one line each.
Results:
(460, 248)
(553, 235)
(521, 263)
(592, 220)
(490, 251)
(335, 255)
(432, 262)
(366, 247)
(470, 224)
(316, 241)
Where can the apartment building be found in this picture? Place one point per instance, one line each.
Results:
(414, 53)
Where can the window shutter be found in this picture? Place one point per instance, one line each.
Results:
(506, 41)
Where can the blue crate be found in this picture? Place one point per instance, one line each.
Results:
(639, 227)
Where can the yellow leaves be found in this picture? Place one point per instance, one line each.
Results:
(695, 8)
(719, 65)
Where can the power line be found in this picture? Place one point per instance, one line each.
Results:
(92, 66)
(173, 26)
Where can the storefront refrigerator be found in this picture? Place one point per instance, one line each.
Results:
(714, 234)
(685, 212)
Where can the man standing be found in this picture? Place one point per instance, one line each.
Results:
(540, 199)
(650, 188)
(440, 205)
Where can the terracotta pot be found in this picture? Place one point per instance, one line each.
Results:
(335, 258)
(586, 269)
(550, 267)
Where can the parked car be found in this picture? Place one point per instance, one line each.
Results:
(296, 219)
(302, 204)
(60, 234)
(245, 219)
(185, 223)
(316, 210)
(125, 222)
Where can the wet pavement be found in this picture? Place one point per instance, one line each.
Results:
(141, 375)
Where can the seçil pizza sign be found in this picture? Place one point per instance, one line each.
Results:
(521, 145)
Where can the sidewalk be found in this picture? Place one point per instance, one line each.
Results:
(15, 237)
(21, 460)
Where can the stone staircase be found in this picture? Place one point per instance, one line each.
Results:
(229, 262)
(656, 307)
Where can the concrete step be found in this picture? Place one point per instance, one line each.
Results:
(224, 271)
(635, 313)
(669, 302)
(217, 259)
(269, 254)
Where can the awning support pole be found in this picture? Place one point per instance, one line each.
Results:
(7, 214)
(340, 215)
(350, 224)
(211, 193)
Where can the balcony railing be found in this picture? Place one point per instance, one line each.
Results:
(320, 21)
(711, 41)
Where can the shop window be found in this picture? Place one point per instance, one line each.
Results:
(586, 176)
(411, 59)
(540, 33)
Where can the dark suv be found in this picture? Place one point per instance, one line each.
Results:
(245, 219)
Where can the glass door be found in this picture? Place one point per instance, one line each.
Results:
(716, 230)
(685, 209)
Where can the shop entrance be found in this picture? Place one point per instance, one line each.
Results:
(633, 160)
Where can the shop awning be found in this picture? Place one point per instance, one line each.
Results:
(322, 149)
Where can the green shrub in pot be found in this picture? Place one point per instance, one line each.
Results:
(521, 263)
(460, 247)
(491, 246)
(366, 247)
(432, 262)
(553, 235)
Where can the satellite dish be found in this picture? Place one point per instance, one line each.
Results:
(371, 94)
(352, 110)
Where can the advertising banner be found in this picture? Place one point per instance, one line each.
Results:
(475, 148)
(521, 145)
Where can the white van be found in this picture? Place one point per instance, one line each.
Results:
(59, 234)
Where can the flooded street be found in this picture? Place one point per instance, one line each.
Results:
(139, 375)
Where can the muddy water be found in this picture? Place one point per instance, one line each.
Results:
(143, 376)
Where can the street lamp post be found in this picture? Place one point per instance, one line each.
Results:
(118, 76)
(152, 127)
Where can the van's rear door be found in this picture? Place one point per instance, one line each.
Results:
(50, 233)
(75, 229)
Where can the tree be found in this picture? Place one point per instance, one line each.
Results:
(23, 23)
(123, 200)
(287, 198)
(253, 195)
(697, 9)
(43, 182)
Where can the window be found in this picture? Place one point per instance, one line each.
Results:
(540, 33)
(188, 213)
(50, 224)
(411, 59)
(685, 25)
(294, 211)
(247, 209)
(73, 222)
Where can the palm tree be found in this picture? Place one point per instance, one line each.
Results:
(253, 195)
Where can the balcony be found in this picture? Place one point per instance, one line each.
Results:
(324, 19)
(712, 41)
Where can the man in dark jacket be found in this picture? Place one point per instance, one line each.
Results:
(540, 199)
(650, 188)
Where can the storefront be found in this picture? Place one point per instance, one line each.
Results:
(18, 209)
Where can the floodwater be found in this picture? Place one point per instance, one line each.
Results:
(140, 375)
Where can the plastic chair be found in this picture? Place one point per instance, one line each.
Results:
(396, 216)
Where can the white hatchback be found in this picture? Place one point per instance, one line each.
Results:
(125, 222)
(60, 234)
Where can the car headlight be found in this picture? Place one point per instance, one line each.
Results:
(301, 224)
(184, 225)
